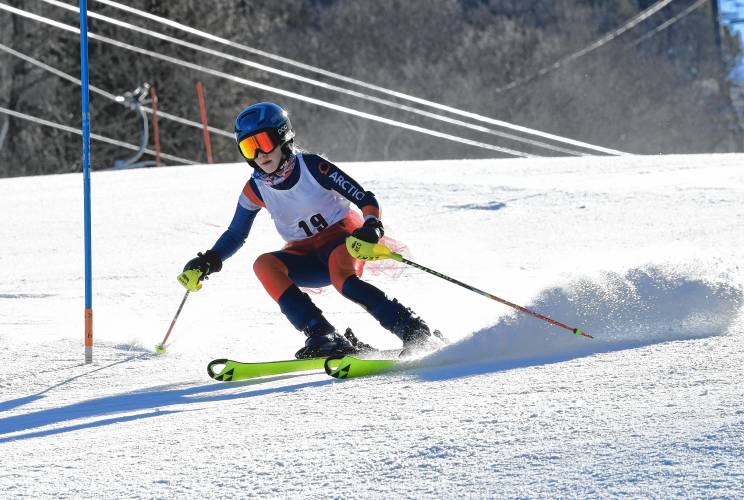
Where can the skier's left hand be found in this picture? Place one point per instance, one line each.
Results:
(371, 231)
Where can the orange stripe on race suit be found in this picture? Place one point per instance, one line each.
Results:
(341, 265)
(251, 195)
(273, 274)
(371, 210)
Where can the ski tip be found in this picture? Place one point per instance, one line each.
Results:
(337, 366)
(222, 373)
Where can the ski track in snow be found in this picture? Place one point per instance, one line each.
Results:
(644, 253)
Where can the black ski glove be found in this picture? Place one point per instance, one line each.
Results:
(370, 232)
(208, 262)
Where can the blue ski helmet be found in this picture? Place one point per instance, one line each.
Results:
(269, 124)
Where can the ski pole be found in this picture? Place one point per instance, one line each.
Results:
(375, 251)
(160, 348)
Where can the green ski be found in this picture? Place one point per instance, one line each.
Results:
(227, 370)
(235, 370)
(350, 366)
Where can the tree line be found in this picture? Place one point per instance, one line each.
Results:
(667, 94)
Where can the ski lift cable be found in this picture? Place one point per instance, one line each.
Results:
(54, 70)
(109, 95)
(316, 83)
(360, 83)
(663, 26)
(589, 48)
(97, 137)
(666, 24)
(269, 88)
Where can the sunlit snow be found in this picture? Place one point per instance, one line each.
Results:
(644, 253)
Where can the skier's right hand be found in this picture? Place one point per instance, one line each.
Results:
(371, 231)
(198, 268)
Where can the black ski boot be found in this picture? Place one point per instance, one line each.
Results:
(414, 332)
(411, 329)
(323, 340)
(360, 346)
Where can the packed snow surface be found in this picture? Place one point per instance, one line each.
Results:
(644, 253)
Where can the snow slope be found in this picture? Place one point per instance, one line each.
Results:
(642, 252)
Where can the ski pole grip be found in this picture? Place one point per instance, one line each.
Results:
(364, 250)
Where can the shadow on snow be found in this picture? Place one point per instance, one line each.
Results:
(133, 402)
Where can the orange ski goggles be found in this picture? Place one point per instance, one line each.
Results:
(264, 141)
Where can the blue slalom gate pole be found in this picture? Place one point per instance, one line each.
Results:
(86, 180)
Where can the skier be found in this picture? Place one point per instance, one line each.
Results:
(309, 199)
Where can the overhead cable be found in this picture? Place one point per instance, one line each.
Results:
(668, 22)
(97, 137)
(54, 70)
(360, 83)
(663, 26)
(109, 95)
(268, 88)
(589, 48)
(316, 83)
